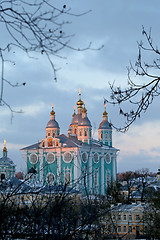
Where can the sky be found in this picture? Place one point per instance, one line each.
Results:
(117, 25)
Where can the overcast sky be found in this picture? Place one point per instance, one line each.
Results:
(117, 25)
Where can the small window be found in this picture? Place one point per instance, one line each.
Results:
(80, 133)
(119, 228)
(33, 159)
(137, 217)
(96, 158)
(107, 158)
(119, 217)
(75, 131)
(84, 157)
(67, 178)
(50, 158)
(48, 134)
(67, 157)
(124, 229)
(50, 178)
(124, 217)
(130, 217)
(50, 143)
(129, 228)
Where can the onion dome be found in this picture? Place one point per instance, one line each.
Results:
(76, 119)
(79, 102)
(84, 122)
(6, 161)
(84, 110)
(52, 123)
(105, 124)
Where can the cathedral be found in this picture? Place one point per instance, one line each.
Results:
(77, 160)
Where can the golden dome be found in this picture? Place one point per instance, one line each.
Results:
(80, 102)
(105, 114)
(84, 110)
(52, 112)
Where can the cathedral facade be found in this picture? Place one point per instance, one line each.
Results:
(78, 160)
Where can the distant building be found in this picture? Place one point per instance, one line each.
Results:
(7, 167)
(76, 160)
(127, 221)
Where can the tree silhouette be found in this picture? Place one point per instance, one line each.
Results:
(143, 82)
(33, 27)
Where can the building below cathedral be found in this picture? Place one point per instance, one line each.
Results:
(7, 167)
(78, 160)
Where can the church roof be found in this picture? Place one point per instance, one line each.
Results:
(5, 161)
(72, 141)
(105, 125)
(52, 124)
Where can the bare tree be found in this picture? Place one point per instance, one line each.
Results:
(33, 27)
(141, 93)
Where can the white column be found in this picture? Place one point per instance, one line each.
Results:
(90, 174)
(59, 170)
(76, 167)
(102, 175)
(41, 165)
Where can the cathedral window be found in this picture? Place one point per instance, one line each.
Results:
(33, 159)
(67, 178)
(50, 143)
(50, 178)
(50, 158)
(96, 158)
(84, 157)
(107, 158)
(67, 157)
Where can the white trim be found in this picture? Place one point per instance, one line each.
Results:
(64, 157)
(33, 154)
(53, 157)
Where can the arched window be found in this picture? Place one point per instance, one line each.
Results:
(50, 143)
(49, 134)
(67, 178)
(53, 134)
(80, 133)
(85, 133)
(43, 144)
(2, 176)
(75, 131)
(50, 178)
(56, 143)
